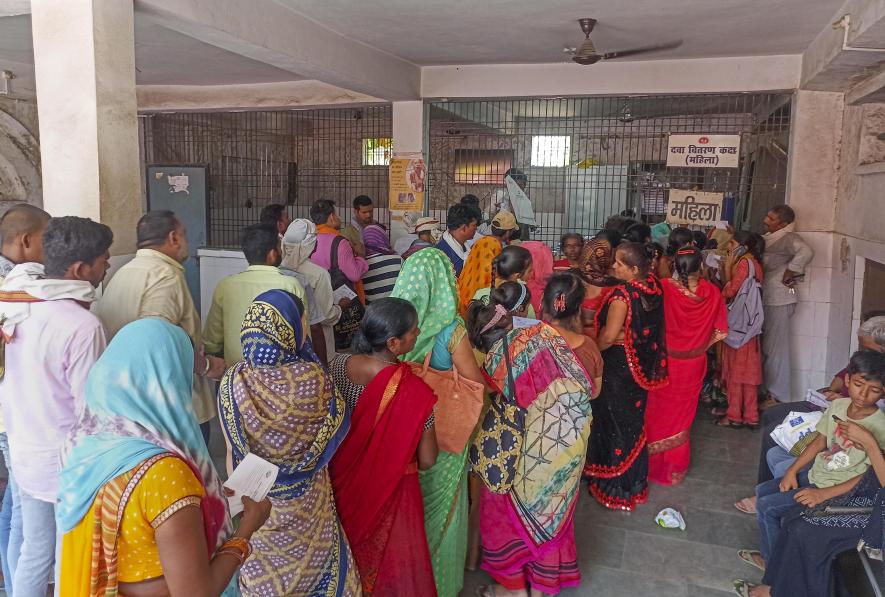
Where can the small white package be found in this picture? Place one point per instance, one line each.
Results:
(670, 519)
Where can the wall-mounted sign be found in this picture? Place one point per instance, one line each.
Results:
(407, 184)
(704, 151)
(694, 208)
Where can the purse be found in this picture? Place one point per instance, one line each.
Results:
(497, 449)
(352, 316)
(458, 407)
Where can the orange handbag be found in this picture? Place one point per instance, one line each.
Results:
(458, 407)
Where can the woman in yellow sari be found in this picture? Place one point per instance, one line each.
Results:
(141, 506)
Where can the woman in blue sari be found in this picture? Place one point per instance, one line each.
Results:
(280, 404)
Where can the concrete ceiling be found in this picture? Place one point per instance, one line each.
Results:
(532, 31)
(162, 57)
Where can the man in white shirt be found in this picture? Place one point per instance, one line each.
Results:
(153, 285)
(53, 341)
(783, 263)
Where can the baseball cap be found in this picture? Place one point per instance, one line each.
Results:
(504, 220)
(426, 225)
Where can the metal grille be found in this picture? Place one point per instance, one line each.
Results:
(589, 158)
(290, 157)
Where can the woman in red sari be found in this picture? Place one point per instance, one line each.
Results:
(375, 471)
(597, 260)
(696, 318)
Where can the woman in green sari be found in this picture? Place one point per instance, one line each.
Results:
(427, 280)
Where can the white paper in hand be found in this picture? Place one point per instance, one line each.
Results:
(253, 478)
(342, 292)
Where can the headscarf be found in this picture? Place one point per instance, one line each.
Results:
(299, 243)
(280, 389)
(138, 404)
(644, 332)
(477, 273)
(427, 280)
(597, 259)
(542, 266)
(376, 240)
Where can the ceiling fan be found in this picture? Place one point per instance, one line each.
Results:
(587, 54)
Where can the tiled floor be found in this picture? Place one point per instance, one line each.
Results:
(627, 555)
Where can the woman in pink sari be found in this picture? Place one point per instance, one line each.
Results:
(696, 318)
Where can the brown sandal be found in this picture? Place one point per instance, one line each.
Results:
(726, 422)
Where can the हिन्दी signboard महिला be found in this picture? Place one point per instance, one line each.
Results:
(694, 208)
(703, 151)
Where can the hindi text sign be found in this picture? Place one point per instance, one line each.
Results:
(704, 151)
(407, 184)
(694, 208)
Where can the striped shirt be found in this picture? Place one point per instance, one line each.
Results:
(381, 277)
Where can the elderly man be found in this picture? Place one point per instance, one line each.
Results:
(153, 285)
(299, 243)
(427, 234)
(784, 261)
(275, 215)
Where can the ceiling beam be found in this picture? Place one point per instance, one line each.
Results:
(704, 75)
(827, 65)
(266, 31)
(264, 96)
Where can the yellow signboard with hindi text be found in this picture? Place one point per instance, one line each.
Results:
(694, 208)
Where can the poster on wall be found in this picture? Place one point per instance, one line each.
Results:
(694, 208)
(407, 175)
(704, 151)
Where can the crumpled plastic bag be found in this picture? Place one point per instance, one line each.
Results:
(670, 519)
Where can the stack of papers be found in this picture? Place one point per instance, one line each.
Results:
(253, 478)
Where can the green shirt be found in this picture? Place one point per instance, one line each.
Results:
(840, 463)
(231, 300)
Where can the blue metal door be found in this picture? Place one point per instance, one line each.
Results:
(182, 189)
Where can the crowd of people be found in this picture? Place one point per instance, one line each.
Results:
(326, 357)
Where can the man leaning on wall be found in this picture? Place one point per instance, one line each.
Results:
(784, 261)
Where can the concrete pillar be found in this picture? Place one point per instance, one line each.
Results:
(84, 60)
(820, 336)
(408, 137)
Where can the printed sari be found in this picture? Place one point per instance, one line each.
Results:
(138, 414)
(694, 320)
(617, 461)
(477, 272)
(428, 282)
(528, 533)
(280, 404)
(375, 482)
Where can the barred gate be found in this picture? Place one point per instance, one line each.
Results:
(589, 158)
(292, 157)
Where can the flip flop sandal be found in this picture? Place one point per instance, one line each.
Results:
(747, 556)
(752, 426)
(486, 591)
(719, 411)
(743, 505)
(742, 588)
(729, 424)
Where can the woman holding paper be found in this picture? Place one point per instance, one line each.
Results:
(375, 471)
(280, 404)
(427, 281)
(141, 506)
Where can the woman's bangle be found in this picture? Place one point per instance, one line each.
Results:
(207, 367)
(238, 547)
